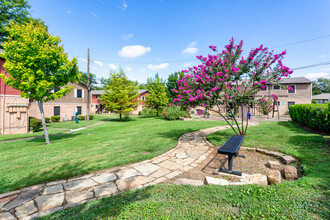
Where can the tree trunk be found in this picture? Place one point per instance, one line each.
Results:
(157, 112)
(41, 108)
(120, 117)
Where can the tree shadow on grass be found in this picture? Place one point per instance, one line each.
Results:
(123, 120)
(105, 208)
(174, 134)
(53, 137)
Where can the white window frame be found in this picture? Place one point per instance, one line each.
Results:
(295, 89)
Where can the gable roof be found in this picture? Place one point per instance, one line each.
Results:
(295, 80)
(321, 96)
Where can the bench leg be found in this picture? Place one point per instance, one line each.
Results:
(230, 166)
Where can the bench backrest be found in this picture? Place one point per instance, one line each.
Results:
(232, 145)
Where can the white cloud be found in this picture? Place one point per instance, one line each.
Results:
(128, 68)
(69, 11)
(127, 36)
(133, 51)
(124, 5)
(98, 63)
(112, 66)
(158, 67)
(323, 56)
(83, 60)
(313, 76)
(95, 15)
(190, 49)
(143, 70)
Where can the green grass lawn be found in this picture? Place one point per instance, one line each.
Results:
(306, 198)
(58, 127)
(106, 145)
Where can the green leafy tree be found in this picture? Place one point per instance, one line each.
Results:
(120, 95)
(37, 64)
(93, 79)
(321, 85)
(12, 10)
(172, 83)
(157, 98)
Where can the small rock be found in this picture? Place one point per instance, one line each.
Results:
(181, 155)
(73, 197)
(215, 181)
(274, 176)
(128, 173)
(53, 189)
(146, 168)
(274, 154)
(251, 149)
(79, 184)
(26, 209)
(262, 151)
(188, 182)
(288, 159)
(105, 189)
(273, 164)
(256, 179)
(290, 172)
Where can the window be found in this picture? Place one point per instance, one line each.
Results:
(97, 106)
(290, 103)
(96, 96)
(319, 101)
(264, 89)
(277, 103)
(277, 87)
(57, 89)
(57, 111)
(79, 110)
(143, 98)
(294, 89)
(79, 93)
(283, 102)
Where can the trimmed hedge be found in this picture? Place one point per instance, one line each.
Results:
(35, 124)
(81, 117)
(91, 117)
(47, 119)
(55, 118)
(174, 113)
(315, 116)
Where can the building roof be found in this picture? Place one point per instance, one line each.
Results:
(295, 80)
(140, 91)
(321, 96)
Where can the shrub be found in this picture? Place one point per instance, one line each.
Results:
(81, 117)
(55, 118)
(91, 117)
(174, 113)
(147, 112)
(47, 119)
(35, 124)
(315, 116)
(314, 101)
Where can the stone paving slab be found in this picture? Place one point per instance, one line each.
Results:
(39, 200)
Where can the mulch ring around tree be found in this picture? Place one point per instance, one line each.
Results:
(257, 168)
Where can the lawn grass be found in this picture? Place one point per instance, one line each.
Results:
(58, 127)
(306, 198)
(112, 143)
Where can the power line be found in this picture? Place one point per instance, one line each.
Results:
(303, 41)
(312, 65)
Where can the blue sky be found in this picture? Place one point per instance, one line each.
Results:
(164, 36)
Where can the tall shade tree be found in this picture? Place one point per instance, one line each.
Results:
(12, 10)
(121, 95)
(227, 78)
(157, 98)
(321, 85)
(172, 83)
(37, 65)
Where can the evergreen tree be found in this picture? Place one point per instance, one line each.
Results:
(157, 98)
(37, 64)
(121, 95)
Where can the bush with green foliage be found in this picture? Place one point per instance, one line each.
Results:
(81, 117)
(91, 117)
(47, 119)
(147, 112)
(35, 124)
(55, 118)
(315, 116)
(174, 113)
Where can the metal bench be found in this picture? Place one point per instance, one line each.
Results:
(231, 148)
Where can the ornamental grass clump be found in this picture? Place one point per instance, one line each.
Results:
(227, 78)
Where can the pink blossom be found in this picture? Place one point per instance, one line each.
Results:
(200, 112)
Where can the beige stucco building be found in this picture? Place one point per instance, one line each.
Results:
(65, 107)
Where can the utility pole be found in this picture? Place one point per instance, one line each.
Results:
(88, 86)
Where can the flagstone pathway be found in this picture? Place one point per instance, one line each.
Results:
(42, 199)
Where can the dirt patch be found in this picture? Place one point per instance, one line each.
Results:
(253, 163)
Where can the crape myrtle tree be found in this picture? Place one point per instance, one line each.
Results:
(121, 94)
(37, 65)
(157, 98)
(227, 77)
